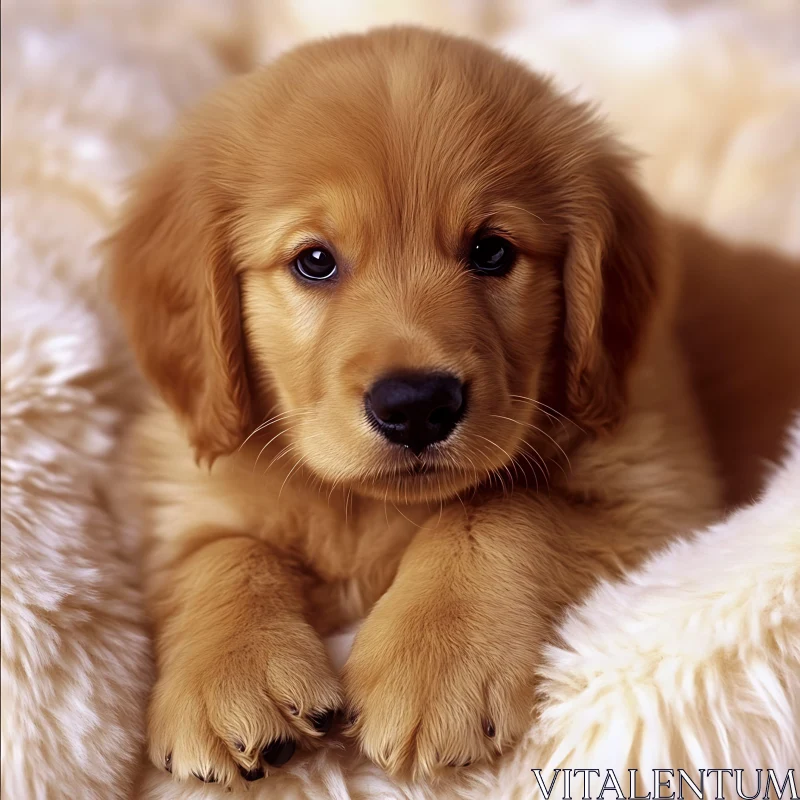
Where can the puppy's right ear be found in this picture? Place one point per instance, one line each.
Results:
(175, 286)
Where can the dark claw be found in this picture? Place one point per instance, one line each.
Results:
(277, 753)
(168, 763)
(210, 778)
(321, 720)
(488, 728)
(255, 774)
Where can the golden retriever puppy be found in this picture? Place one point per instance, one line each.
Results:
(409, 317)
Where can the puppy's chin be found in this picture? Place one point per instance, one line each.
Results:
(405, 479)
(422, 486)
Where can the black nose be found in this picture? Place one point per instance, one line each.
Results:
(416, 409)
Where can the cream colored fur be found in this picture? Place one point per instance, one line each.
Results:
(87, 90)
(721, 683)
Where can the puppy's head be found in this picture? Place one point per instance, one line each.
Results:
(400, 243)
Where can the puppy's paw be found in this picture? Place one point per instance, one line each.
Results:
(430, 692)
(232, 710)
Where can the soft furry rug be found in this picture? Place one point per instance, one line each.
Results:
(694, 660)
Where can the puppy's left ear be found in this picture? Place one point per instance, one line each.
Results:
(613, 281)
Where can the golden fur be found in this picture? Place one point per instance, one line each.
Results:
(737, 324)
(580, 454)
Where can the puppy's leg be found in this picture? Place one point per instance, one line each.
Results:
(243, 678)
(443, 671)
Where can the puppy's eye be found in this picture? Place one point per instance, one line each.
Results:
(491, 255)
(315, 264)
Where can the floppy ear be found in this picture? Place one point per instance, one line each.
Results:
(176, 288)
(612, 284)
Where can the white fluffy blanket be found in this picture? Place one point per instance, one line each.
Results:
(694, 659)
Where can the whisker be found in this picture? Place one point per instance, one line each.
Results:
(287, 449)
(411, 521)
(261, 451)
(271, 421)
(544, 433)
(541, 463)
(333, 487)
(542, 405)
(289, 475)
(476, 478)
(561, 449)
(346, 504)
(505, 452)
(488, 457)
(519, 422)
(458, 496)
(550, 417)
(534, 467)
(491, 474)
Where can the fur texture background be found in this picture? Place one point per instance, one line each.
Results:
(697, 655)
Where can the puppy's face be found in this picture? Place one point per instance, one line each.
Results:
(395, 247)
(399, 288)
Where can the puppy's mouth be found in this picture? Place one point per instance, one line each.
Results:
(408, 478)
(421, 468)
(406, 472)
(419, 472)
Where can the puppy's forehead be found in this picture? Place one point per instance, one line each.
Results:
(401, 131)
